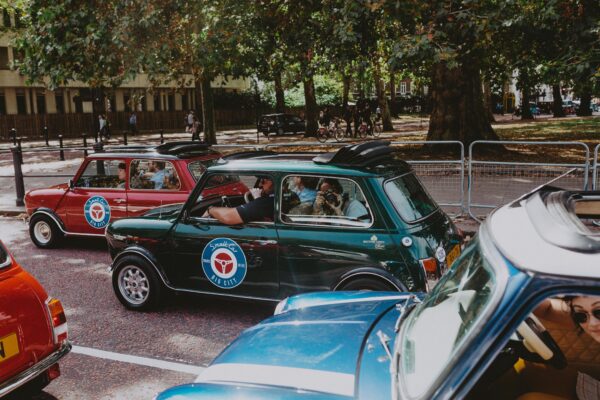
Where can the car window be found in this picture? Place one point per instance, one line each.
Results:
(153, 175)
(197, 168)
(4, 259)
(457, 303)
(226, 190)
(409, 197)
(314, 200)
(103, 174)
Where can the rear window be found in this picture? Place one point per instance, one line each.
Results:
(197, 168)
(409, 197)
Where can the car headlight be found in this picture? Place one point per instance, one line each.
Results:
(280, 306)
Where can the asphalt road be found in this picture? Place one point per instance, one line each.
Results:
(121, 354)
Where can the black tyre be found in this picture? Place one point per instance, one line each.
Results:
(136, 284)
(370, 284)
(322, 135)
(377, 129)
(339, 134)
(44, 232)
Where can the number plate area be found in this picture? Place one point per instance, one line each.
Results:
(9, 347)
(453, 255)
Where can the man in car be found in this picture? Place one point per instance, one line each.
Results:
(260, 209)
(330, 201)
(156, 175)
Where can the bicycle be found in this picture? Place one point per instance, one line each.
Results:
(334, 130)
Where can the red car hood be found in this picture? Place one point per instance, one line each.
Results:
(47, 197)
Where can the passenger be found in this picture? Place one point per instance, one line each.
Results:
(156, 174)
(330, 201)
(122, 176)
(260, 209)
(304, 189)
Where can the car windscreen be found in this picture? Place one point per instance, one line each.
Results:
(458, 303)
(197, 168)
(409, 197)
(4, 258)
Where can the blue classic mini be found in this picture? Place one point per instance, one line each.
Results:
(478, 334)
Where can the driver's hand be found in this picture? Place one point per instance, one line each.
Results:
(256, 193)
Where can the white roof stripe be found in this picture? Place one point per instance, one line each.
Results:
(297, 378)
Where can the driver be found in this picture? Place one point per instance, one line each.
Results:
(259, 209)
(581, 313)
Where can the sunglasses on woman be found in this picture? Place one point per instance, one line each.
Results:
(581, 317)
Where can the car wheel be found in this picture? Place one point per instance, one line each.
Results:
(44, 232)
(136, 283)
(368, 284)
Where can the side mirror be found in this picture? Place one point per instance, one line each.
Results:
(71, 184)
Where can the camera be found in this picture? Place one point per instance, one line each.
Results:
(332, 198)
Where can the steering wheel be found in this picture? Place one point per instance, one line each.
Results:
(536, 339)
(248, 197)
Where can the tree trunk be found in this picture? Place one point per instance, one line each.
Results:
(279, 94)
(557, 104)
(382, 100)
(311, 111)
(585, 98)
(198, 98)
(393, 94)
(487, 101)
(457, 105)
(346, 91)
(525, 109)
(208, 111)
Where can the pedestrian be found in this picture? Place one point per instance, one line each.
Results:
(195, 129)
(348, 118)
(190, 120)
(103, 127)
(133, 123)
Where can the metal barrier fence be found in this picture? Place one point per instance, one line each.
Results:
(493, 183)
(595, 177)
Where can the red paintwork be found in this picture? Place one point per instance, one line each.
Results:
(23, 311)
(68, 204)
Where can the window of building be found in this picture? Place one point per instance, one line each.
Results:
(2, 103)
(185, 102)
(157, 102)
(4, 58)
(40, 99)
(402, 87)
(60, 102)
(21, 102)
(6, 18)
(127, 101)
(144, 104)
(17, 15)
(171, 101)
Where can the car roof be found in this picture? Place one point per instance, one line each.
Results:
(550, 231)
(166, 151)
(374, 158)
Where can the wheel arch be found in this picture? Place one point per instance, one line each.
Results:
(370, 273)
(52, 215)
(139, 251)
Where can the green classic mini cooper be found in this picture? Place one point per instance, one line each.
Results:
(355, 219)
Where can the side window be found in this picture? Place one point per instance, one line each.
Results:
(153, 175)
(109, 174)
(313, 200)
(224, 190)
(197, 168)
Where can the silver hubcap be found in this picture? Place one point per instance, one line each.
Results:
(42, 232)
(133, 284)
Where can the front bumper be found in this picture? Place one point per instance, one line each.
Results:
(33, 372)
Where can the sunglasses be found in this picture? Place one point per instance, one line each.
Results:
(581, 317)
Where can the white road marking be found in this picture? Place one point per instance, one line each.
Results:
(148, 362)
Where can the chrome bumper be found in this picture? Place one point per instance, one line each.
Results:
(36, 370)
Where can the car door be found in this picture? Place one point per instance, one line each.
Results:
(97, 196)
(207, 255)
(317, 247)
(145, 193)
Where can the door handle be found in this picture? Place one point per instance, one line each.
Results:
(119, 201)
(266, 242)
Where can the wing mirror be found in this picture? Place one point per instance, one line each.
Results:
(71, 184)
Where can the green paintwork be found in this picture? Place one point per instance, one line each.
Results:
(284, 258)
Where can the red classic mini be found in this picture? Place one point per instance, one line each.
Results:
(33, 330)
(116, 184)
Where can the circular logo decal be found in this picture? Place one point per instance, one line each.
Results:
(97, 212)
(224, 263)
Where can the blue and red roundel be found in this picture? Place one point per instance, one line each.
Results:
(224, 263)
(97, 212)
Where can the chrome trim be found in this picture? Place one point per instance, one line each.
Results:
(7, 262)
(367, 273)
(111, 269)
(36, 370)
(368, 206)
(51, 216)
